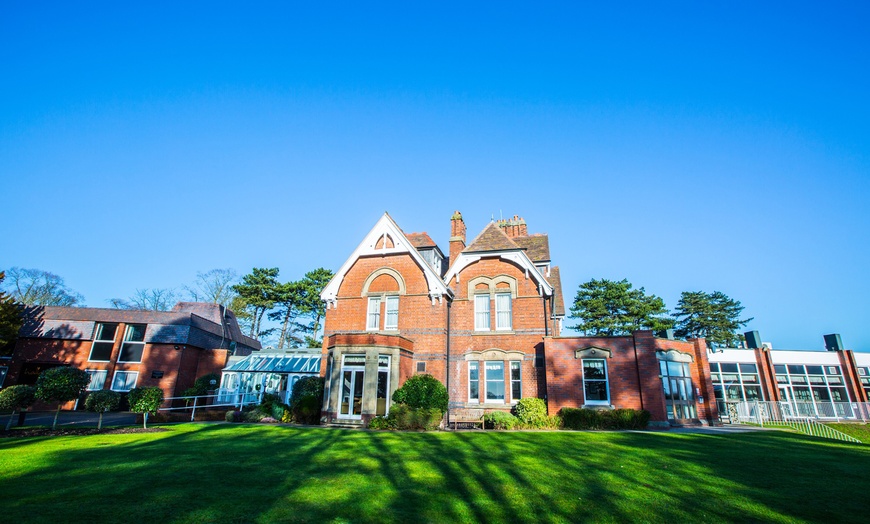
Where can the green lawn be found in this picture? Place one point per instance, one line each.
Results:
(857, 430)
(260, 473)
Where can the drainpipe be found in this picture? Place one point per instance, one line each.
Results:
(449, 303)
(637, 368)
(546, 322)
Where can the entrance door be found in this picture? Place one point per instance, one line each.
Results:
(352, 378)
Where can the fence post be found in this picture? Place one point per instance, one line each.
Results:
(758, 416)
(193, 412)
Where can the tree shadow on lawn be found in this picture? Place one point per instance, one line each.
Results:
(232, 473)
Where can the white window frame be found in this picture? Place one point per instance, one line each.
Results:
(373, 313)
(93, 373)
(606, 381)
(392, 305)
(480, 315)
(486, 383)
(127, 331)
(115, 378)
(98, 331)
(500, 313)
(476, 365)
(519, 380)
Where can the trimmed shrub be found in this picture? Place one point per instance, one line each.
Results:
(380, 423)
(422, 392)
(404, 417)
(203, 385)
(234, 416)
(101, 402)
(531, 412)
(145, 400)
(16, 398)
(61, 384)
(306, 399)
(253, 416)
(584, 418)
(499, 420)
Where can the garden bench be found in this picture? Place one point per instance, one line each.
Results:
(466, 418)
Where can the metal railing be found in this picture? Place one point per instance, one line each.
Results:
(218, 399)
(757, 411)
(804, 417)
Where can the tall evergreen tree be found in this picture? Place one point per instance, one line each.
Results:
(313, 307)
(605, 307)
(713, 316)
(10, 320)
(258, 291)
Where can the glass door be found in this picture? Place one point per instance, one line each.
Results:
(352, 378)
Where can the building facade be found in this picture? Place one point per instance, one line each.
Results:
(475, 320)
(123, 349)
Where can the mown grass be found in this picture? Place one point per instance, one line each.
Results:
(259, 473)
(857, 430)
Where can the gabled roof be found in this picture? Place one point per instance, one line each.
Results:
(493, 241)
(370, 247)
(555, 280)
(492, 238)
(421, 240)
(537, 247)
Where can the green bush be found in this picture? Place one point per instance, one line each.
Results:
(16, 398)
(61, 384)
(405, 417)
(499, 420)
(234, 416)
(202, 385)
(145, 400)
(101, 402)
(422, 392)
(381, 423)
(584, 418)
(306, 400)
(253, 416)
(531, 412)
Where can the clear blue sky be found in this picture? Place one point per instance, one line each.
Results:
(683, 147)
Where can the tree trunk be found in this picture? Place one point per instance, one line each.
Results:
(100, 422)
(283, 338)
(145, 420)
(12, 416)
(56, 413)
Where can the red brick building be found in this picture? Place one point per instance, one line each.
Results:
(123, 349)
(486, 321)
(476, 320)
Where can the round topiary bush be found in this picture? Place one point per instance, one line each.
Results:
(61, 384)
(101, 402)
(16, 398)
(422, 392)
(145, 400)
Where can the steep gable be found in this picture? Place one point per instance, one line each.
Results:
(386, 238)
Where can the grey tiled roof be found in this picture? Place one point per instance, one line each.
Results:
(555, 280)
(537, 247)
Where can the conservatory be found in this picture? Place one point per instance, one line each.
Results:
(246, 380)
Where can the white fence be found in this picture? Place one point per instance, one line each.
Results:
(760, 412)
(221, 398)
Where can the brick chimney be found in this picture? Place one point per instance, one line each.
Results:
(457, 235)
(514, 227)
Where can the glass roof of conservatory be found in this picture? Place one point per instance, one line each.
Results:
(277, 364)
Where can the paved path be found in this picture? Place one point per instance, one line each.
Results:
(726, 429)
(79, 419)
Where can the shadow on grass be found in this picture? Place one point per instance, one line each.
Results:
(232, 473)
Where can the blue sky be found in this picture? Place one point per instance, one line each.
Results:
(683, 147)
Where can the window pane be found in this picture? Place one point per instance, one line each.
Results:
(748, 368)
(596, 390)
(503, 310)
(839, 395)
(779, 368)
(675, 369)
(495, 380)
(593, 369)
(473, 382)
(752, 392)
(815, 370)
(392, 321)
(374, 314)
(833, 370)
(728, 367)
(795, 369)
(481, 312)
(106, 332)
(750, 379)
(98, 379)
(354, 360)
(124, 380)
(101, 351)
(714, 366)
(516, 382)
(473, 372)
(135, 333)
(131, 352)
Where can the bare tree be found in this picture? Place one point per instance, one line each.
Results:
(35, 287)
(215, 286)
(148, 299)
